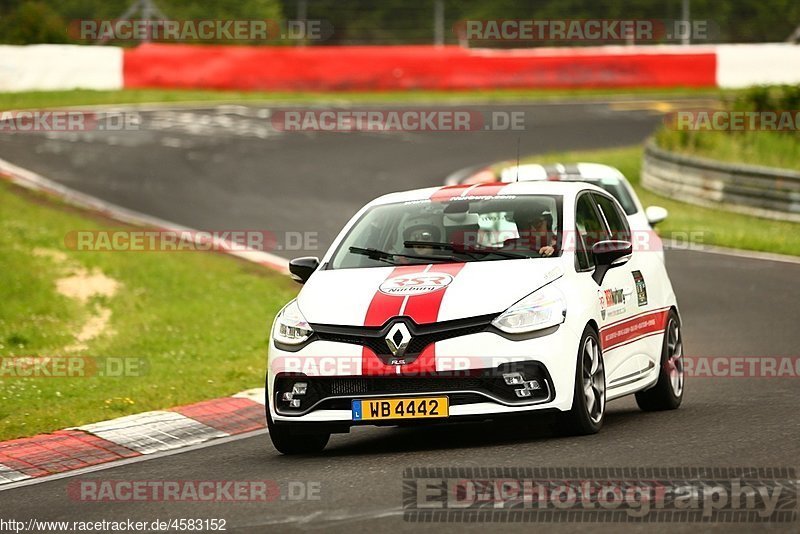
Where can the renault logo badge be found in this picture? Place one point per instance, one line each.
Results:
(398, 339)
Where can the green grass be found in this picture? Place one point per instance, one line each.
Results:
(770, 149)
(46, 99)
(199, 320)
(718, 227)
(766, 148)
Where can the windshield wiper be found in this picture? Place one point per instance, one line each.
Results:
(462, 249)
(380, 255)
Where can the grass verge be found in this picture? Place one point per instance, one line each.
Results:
(758, 146)
(718, 227)
(45, 99)
(769, 149)
(197, 321)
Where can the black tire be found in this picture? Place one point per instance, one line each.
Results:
(667, 394)
(583, 419)
(288, 442)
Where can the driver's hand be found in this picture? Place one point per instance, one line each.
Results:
(546, 251)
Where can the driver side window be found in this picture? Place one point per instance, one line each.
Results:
(590, 230)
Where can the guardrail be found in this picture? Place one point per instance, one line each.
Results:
(750, 189)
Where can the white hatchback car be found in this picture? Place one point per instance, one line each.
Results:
(604, 176)
(474, 301)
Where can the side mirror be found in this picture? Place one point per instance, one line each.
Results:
(302, 268)
(609, 254)
(655, 214)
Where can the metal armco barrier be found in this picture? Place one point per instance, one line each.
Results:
(760, 191)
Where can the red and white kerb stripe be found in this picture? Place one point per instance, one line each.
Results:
(638, 327)
(424, 308)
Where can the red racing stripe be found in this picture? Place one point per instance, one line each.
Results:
(488, 190)
(450, 192)
(424, 309)
(625, 331)
(381, 309)
(371, 365)
(383, 306)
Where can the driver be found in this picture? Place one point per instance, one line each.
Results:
(422, 233)
(535, 227)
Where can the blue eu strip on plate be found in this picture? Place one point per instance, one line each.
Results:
(356, 410)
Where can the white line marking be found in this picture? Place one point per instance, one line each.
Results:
(128, 461)
(735, 252)
(321, 100)
(36, 182)
(403, 305)
(314, 519)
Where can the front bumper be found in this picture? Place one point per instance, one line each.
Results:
(468, 371)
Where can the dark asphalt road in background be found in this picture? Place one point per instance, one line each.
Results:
(226, 168)
(217, 169)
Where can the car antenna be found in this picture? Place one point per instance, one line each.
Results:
(518, 139)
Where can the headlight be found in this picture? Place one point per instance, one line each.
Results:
(541, 309)
(290, 326)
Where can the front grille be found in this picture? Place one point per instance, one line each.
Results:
(418, 344)
(401, 385)
(481, 385)
(374, 338)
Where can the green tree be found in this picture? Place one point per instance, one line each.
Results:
(33, 22)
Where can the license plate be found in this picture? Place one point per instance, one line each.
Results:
(412, 408)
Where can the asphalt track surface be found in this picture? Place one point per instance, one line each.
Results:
(219, 168)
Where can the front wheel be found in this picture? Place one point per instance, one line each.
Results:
(589, 399)
(288, 442)
(667, 394)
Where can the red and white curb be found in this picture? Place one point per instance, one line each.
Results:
(135, 435)
(131, 436)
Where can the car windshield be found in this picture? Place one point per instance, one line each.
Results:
(462, 229)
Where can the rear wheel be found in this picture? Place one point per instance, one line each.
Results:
(589, 399)
(289, 442)
(667, 394)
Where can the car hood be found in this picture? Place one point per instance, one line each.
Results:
(425, 293)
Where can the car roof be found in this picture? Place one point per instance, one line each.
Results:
(566, 189)
(559, 171)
